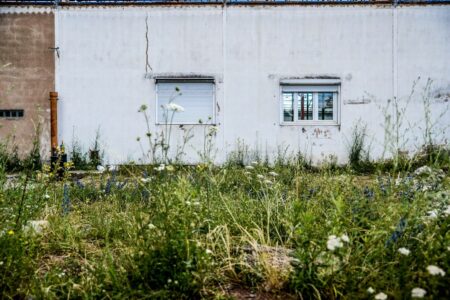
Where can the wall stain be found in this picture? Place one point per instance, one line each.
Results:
(357, 101)
(319, 133)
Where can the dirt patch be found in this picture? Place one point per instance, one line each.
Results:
(241, 293)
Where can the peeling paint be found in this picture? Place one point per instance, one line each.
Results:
(177, 75)
(309, 76)
(357, 101)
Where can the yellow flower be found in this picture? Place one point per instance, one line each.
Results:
(11, 232)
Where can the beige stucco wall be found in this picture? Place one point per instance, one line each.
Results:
(26, 76)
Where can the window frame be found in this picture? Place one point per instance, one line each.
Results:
(308, 86)
(185, 80)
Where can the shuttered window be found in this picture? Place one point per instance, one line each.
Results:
(185, 101)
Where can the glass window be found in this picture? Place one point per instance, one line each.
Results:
(309, 103)
(305, 106)
(288, 107)
(325, 109)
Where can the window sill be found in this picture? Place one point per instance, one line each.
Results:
(311, 123)
(186, 124)
(11, 118)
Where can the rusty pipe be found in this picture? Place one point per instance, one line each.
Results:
(54, 121)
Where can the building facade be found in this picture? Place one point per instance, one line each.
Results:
(268, 80)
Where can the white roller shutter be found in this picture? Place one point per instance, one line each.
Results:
(195, 96)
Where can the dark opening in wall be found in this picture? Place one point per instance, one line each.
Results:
(11, 113)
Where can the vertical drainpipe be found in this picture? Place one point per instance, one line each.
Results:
(54, 122)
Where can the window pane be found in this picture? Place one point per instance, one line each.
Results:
(196, 98)
(305, 106)
(325, 106)
(288, 107)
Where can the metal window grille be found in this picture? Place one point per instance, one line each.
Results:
(11, 113)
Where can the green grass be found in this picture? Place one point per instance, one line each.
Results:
(192, 232)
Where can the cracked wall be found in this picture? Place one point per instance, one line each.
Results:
(110, 57)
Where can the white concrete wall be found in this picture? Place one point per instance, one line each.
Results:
(377, 52)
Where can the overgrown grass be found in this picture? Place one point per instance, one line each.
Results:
(197, 232)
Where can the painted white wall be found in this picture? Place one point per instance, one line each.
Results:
(377, 52)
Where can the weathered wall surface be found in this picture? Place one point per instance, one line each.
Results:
(26, 76)
(103, 77)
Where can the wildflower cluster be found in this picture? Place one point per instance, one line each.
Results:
(334, 242)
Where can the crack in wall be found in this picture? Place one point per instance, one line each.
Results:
(147, 63)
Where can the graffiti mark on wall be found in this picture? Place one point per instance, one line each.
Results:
(320, 133)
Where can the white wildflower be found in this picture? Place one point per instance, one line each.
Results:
(255, 163)
(448, 248)
(113, 167)
(101, 168)
(435, 270)
(247, 173)
(209, 251)
(381, 296)
(145, 180)
(370, 290)
(345, 238)
(188, 203)
(151, 226)
(432, 214)
(161, 167)
(268, 182)
(174, 107)
(249, 167)
(47, 196)
(260, 176)
(274, 174)
(418, 293)
(334, 242)
(404, 251)
(447, 211)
